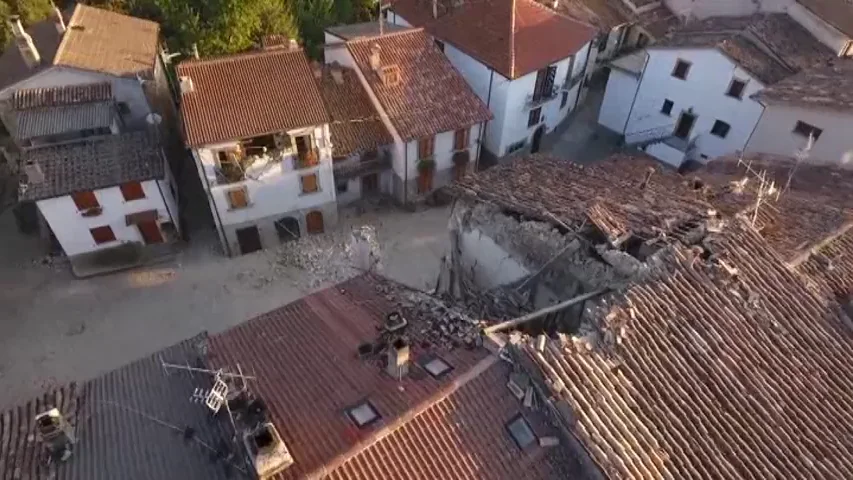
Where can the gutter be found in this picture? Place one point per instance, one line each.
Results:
(637, 92)
(406, 173)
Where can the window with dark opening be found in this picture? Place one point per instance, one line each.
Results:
(666, 109)
(363, 414)
(123, 108)
(342, 187)
(521, 432)
(102, 234)
(736, 89)
(720, 129)
(436, 367)
(806, 130)
(439, 44)
(534, 116)
(564, 100)
(681, 69)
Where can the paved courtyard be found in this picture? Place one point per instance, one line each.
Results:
(579, 138)
(55, 329)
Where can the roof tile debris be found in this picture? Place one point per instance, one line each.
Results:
(108, 42)
(832, 263)
(355, 126)
(726, 365)
(838, 13)
(769, 46)
(62, 96)
(828, 86)
(249, 94)
(98, 162)
(514, 37)
(609, 14)
(431, 96)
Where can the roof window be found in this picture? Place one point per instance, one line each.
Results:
(521, 432)
(436, 366)
(363, 414)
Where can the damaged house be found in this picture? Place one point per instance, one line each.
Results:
(259, 134)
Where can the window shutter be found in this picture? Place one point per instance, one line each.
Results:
(85, 200)
(549, 80)
(460, 139)
(102, 234)
(309, 183)
(132, 191)
(238, 198)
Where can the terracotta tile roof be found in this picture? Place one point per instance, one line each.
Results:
(38, 122)
(12, 67)
(249, 94)
(514, 37)
(309, 373)
(431, 97)
(355, 126)
(702, 373)
(831, 263)
(365, 29)
(94, 163)
(838, 13)
(828, 86)
(609, 14)
(61, 96)
(108, 42)
(746, 39)
(611, 195)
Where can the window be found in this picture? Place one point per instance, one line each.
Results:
(666, 109)
(123, 108)
(602, 43)
(238, 198)
(736, 88)
(515, 146)
(85, 200)
(806, 130)
(439, 44)
(720, 129)
(425, 148)
(460, 139)
(564, 100)
(309, 183)
(342, 187)
(385, 14)
(681, 69)
(521, 432)
(363, 414)
(102, 234)
(436, 366)
(544, 85)
(534, 117)
(391, 75)
(132, 191)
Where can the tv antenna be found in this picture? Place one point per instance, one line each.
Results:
(800, 155)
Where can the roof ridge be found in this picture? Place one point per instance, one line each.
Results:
(65, 36)
(562, 15)
(386, 35)
(512, 39)
(239, 55)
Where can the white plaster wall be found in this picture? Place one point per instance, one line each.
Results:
(704, 90)
(329, 38)
(492, 265)
(775, 135)
(442, 152)
(72, 229)
(726, 8)
(277, 190)
(397, 19)
(616, 103)
(824, 32)
(126, 90)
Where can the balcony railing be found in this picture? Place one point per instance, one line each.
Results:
(306, 159)
(538, 98)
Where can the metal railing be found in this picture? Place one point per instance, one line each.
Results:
(533, 100)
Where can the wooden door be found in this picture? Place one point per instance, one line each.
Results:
(150, 232)
(314, 222)
(249, 239)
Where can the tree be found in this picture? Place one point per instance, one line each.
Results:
(32, 11)
(5, 31)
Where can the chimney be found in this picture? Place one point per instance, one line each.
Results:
(398, 359)
(186, 85)
(195, 51)
(25, 42)
(434, 8)
(55, 434)
(58, 21)
(338, 77)
(292, 44)
(555, 4)
(375, 58)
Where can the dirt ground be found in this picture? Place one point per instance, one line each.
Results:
(55, 329)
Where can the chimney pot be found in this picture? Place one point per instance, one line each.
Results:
(293, 44)
(26, 47)
(338, 77)
(186, 84)
(375, 57)
(398, 359)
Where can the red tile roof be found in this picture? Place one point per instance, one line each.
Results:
(725, 366)
(431, 97)
(514, 37)
(304, 356)
(831, 262)
(249, 94)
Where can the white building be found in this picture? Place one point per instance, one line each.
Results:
(530, 77)
(93, 46)
(432, 115)
(809, 115)
(689, 97)
(259, 134)
(111, 192)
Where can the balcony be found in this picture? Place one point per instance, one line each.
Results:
(536, 99)
(370, 162)
(306, 159)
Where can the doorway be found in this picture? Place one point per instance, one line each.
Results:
(249, 239)
(314, 222)
(150, 232)
(287, 228)
(370, 183)
(685, 125)
(537, 139)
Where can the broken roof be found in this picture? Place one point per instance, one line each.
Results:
(354, 124)
(513, 37)
(769, 46)
(431, 96)
(609, 14)
(39, 122)
(827, 86)
(90, 164)
(353, 31)
(249, 94)
(61, 96)
(726, 366)
(129, 423)
(838, 13)
(305, 358)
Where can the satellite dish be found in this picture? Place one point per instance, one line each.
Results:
(153, 119)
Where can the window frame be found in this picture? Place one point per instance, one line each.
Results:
(520, 418)
(678, 63)
(81, 205)
(464, 134)
(230, 199)
(724, 125)
(537, 113)
(102, 228)
(667, 111)
(808, 130)
(742, 89)
(364, 403)
(426, 148)
(302, 179)
(131, 191)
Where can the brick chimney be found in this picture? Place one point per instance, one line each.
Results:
(398, 359)
(28, 49)
(375, 58)
(58, 21)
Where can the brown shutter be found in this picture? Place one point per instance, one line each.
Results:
(460, 139)
(132, 191)
(85, 200)
(238, 198)
(102, 234)
(309, 183)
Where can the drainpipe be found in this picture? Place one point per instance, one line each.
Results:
(486, 123)
(406, 174)
(166, 204)
(639, 84)
(763, 109)
(218, 222)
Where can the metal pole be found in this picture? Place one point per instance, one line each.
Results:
(545, 311)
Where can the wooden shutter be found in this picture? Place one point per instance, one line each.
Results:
(238, 198)
(102, 234)
(85, 200)
(309, 183)
(540, 84)
(425, 148)
(460, 139)
(549, 80)
(132, 191)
